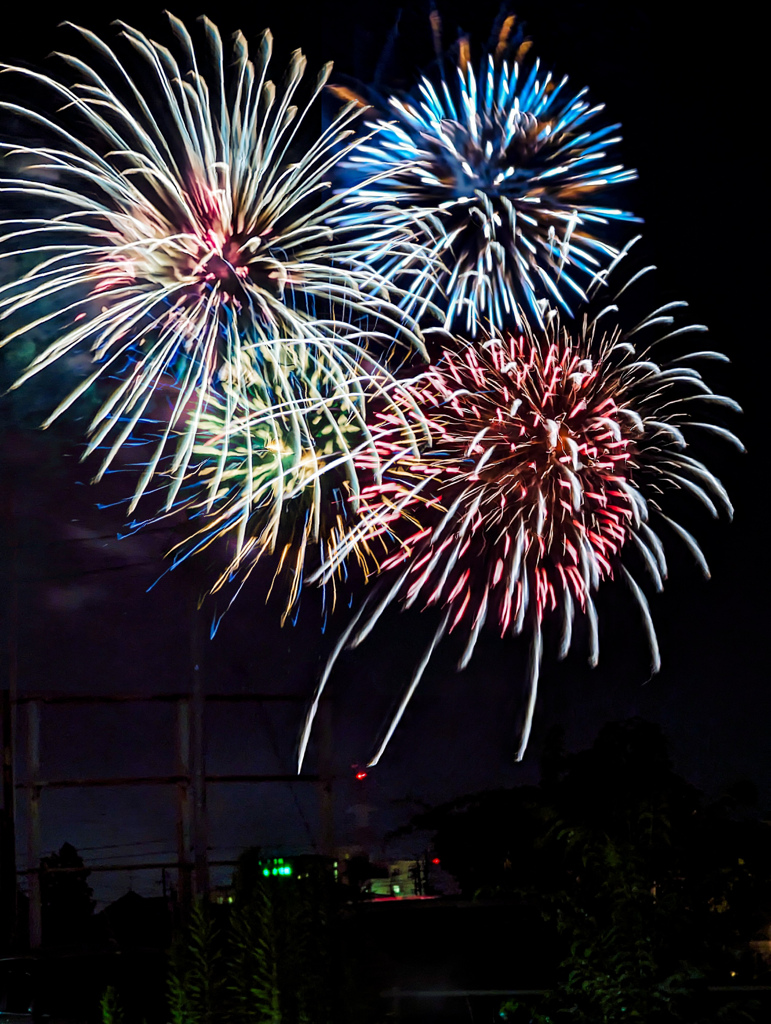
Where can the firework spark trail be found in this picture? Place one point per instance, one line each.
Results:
(279, 475)
(495, 174)
(551, 453)
(186, 204)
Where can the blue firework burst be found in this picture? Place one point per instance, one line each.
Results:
(494, 177)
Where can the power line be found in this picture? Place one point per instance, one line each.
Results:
(121, 846)
(190, 780)
(139, 853)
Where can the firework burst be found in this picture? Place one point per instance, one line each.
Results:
(551, 459)
(496, 173)
(182, 210)
(279, 475)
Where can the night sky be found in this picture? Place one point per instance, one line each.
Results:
(87, 624)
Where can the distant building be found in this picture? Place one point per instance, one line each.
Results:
(221, 894)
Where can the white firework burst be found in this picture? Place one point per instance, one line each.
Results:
(173, 212)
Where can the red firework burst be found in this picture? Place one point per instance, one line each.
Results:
(548, 457)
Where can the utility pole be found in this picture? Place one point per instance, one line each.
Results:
(198, 753)
(326, 795)
(184, 879)
(7, 829)
(9, 908)
(33, 825)
(190, 782)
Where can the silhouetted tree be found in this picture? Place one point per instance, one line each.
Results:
(650, 891)
(67, 901)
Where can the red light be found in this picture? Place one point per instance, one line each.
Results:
(436, 861)
(361, 775)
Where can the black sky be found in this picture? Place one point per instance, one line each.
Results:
(683, 88)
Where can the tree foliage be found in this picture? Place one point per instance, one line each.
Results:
(275, 955)
(650, 892)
